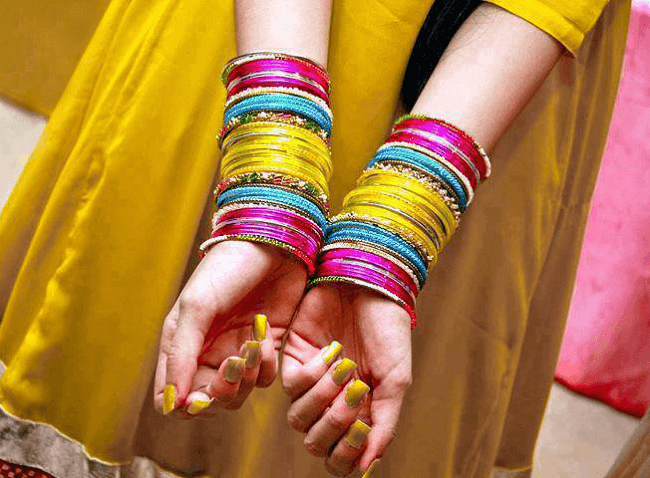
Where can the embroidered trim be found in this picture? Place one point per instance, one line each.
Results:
(38, 445)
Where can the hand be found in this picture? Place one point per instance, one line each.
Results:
(376, 334)
(201, 345)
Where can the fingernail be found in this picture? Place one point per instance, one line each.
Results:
(234, 369)
(197, 406)
(259, 327)
(343, 371)
(355, 393)
(252, 352)
(169, 398)
(371, 469)
(357, 434)
(331, 352)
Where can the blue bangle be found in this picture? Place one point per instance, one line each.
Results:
(276, 196)
(281, 102)
(423, 161)
(347, 229)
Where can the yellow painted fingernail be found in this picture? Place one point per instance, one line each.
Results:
(259, 327)
(373, 466)
(234, 369)
(252, 352)
(169, 398)
(331, 352)
(355, 393)
(357, 434)
(343, 371)
(197, 406)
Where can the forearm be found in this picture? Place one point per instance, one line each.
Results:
(489, 72)
(297, 27)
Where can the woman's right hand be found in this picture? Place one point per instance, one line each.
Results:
(211, 326)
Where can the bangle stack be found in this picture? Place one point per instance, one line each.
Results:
(276, 159)
(404, 210)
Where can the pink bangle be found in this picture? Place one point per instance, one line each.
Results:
(287, 66)
(439, 149)
(373, 259)
(331, 268)
(273, 213)
(309, 245)
(438, 126)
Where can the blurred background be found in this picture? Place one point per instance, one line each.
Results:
(603, 372)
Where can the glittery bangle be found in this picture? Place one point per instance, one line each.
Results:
(280, 90)
(435, 168)
(273, 117)
(276, 179)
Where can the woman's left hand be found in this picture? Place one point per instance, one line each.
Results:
(327, 394)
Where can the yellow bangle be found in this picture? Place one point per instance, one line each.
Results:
(253, 150)
(425, 220)
(412, 185)
(399, 223)
(409, 219)
(280, 130)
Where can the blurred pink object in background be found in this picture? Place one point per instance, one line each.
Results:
(606, 349)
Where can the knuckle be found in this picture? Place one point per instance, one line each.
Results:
(296, 420)
(336, 421)
(313, 448)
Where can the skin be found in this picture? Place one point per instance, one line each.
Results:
(493, 66)
(213, 315)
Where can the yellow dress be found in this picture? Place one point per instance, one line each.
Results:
(103, 224)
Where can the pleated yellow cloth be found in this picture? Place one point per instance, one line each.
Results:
(102, 225)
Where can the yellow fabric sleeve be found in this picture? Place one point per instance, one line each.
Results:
(566, 21)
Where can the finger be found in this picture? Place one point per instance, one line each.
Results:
(269, 357)
(214, 289)
(348, 450)
(384, 413)
(225, 383)
(161, 365)
(251, 352)
(333, 424)
(198, 403)
(305, 411)
(298, 378)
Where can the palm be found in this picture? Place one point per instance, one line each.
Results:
(375, 333)
(212, 318)
(275, 294)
